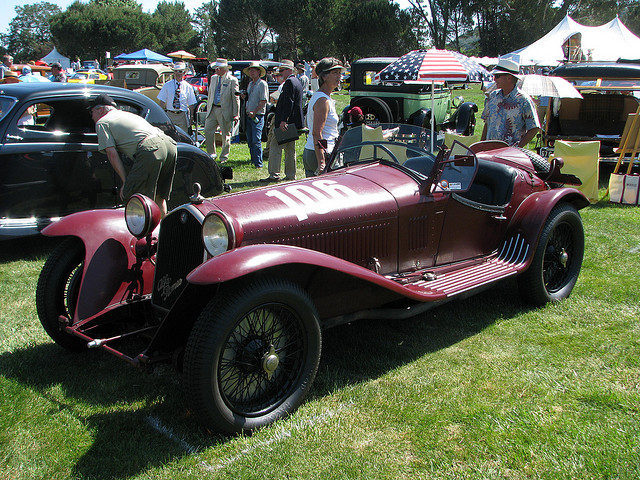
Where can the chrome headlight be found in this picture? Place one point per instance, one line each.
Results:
(142, 215)
(217, 235)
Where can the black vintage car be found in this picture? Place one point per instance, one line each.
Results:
(49, 160)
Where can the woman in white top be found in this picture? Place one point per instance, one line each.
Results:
(322, 118)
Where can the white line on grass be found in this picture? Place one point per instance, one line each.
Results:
(635, 249)
(280, 435)
(167, 432)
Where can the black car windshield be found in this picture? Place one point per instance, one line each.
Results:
(407, 145)
(6, 103)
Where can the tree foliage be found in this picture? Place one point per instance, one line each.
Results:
(29, 36)
(240, 28)
(103, 27)
(296, 29)
(171, 25)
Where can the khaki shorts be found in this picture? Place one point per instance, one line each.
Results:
(154, 165)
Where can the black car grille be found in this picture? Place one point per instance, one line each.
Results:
(180, 250)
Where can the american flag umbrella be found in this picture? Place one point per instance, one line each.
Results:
(430, 66)
(426, 66)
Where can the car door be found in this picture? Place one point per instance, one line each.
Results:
(51, 165)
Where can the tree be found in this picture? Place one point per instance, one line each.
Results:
(172, 27)
(105, 26)
(504, 26)
(29, 36)
(204, 21)
(286, 18)
(375, 28)
(240, 29)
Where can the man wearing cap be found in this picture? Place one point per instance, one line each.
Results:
(153, 153)
(288, 115)
(178, 98)
(26, 71)
(57, 73)
(509, 113)
(223, 109)
(255, 108)
(302, 76)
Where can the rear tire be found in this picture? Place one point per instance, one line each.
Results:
(374, 110)
(252, 356)
(58, 289)
(558, 258)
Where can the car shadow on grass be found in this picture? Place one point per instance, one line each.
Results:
(367, 349)
(135, 420)
(142, 419)
(27, 248)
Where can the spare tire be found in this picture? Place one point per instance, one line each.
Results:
(541, 165)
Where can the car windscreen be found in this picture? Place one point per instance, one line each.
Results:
(407, 145)
(6, 103)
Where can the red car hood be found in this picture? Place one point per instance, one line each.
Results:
(283, 211)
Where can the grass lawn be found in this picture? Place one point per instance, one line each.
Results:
(484, 388)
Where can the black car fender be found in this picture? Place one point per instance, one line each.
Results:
(195, 165)
(463, 120)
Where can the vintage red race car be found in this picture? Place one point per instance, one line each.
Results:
(235, 290)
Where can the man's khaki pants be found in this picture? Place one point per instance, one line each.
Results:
(214, 120)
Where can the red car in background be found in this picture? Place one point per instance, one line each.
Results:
(235, 290)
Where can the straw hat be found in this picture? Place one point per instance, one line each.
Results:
(257, 65)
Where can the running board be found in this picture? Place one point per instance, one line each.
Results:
(449, 281)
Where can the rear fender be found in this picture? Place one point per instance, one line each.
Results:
(108, 275)
(528, 221)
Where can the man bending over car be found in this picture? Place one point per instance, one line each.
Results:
(153, 153)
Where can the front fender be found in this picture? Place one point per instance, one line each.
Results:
(109, 257)
(254, 258)
(529, 219)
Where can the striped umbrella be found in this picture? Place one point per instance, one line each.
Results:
(430, 66)
(426, 66)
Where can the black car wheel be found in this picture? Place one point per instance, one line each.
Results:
(374, 110)
(252, 356)
(556, 263)
(58, 289)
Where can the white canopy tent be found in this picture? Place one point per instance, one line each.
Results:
(570, 40)
(55, 56)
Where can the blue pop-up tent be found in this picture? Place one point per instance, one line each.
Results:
(144, 54)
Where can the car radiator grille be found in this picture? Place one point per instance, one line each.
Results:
(180, 250)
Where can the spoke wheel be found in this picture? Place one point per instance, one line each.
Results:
(251, 358)
(558, 258)
(58, 289)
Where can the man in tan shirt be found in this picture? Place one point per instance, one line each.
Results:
(153, 153)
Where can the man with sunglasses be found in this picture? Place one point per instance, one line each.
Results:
(509, 113)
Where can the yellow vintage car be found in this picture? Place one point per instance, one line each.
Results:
(87, 76)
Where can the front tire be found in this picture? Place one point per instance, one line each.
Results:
(556, 263)
(58, 289)
(252, 356)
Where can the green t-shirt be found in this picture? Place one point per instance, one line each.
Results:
(124, 131)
